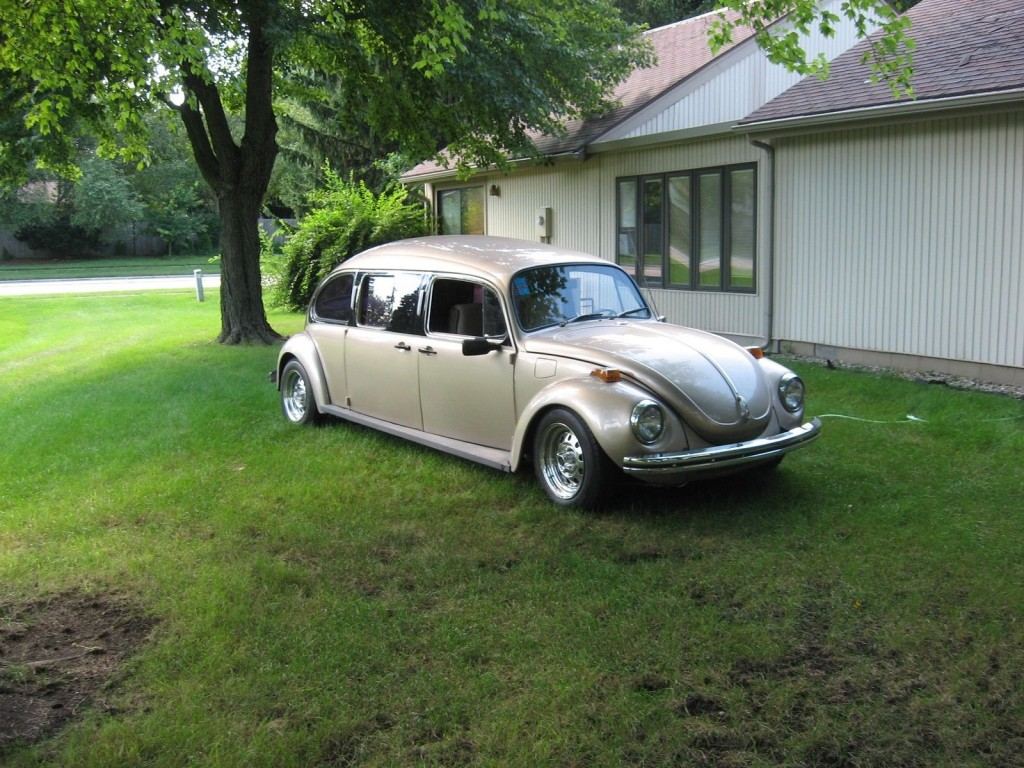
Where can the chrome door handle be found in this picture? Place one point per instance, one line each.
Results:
(403, 346)
(428, 351)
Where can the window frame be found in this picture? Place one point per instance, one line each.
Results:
(317, 318)
(513, 308)
(363, 278)
(725, 201)
(428, 303)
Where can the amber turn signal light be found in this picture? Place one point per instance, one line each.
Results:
(757, 352)
(607, 375)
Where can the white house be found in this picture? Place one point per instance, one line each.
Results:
(793, 214)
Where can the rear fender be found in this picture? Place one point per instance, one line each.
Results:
(301, 347)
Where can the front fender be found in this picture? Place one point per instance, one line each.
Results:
(605, 408)
(774, 372)
(301, 347)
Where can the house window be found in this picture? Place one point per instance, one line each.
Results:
(692, 230)
(460, 211)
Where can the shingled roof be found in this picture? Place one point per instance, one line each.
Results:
(681, 50)
(963, 48)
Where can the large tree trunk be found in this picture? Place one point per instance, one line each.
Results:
(242, 317)
(239, 174)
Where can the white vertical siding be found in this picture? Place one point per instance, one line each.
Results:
(571, 189)
(905, 239)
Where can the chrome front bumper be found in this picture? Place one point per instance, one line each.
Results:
(668, 467)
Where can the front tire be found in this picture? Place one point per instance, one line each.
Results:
(298, 403)
(570, 465)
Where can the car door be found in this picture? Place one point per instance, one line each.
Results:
(329, 319)
(381, 350)
(468, 398)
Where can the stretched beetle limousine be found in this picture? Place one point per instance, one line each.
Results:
(509, 352)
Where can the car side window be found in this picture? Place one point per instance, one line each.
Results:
(334, 301)
(391, 302)
(465, 308)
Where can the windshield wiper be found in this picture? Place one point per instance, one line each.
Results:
(581, 318)
(629, 312)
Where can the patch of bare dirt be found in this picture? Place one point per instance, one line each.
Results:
(56, 656)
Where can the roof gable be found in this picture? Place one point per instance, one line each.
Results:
(681, 49)
(963, 47)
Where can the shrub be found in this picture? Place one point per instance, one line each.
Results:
(61, 238)
(345, 218)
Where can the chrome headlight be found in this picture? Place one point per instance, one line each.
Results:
(791, 392)
(647, 421)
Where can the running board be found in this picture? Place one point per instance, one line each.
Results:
(491, 457)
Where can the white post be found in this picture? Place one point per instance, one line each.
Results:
(199, 283)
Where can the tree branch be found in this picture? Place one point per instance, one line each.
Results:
(213, 111)
(200, 141)
(259, 144)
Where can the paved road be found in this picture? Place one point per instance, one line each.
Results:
(103, 285)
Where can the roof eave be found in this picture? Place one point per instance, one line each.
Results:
(450, 173)
(881, 111)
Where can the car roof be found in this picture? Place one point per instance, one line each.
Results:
(497, 258)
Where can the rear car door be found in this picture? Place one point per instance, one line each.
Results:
(381, 351)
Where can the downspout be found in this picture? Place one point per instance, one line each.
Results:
(770, 308)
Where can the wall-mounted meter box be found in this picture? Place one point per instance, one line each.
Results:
(543, 221)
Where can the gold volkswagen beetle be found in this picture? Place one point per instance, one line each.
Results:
(506, 351)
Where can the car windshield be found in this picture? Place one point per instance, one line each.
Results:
(546, 296)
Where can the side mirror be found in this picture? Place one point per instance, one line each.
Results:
(479, 346)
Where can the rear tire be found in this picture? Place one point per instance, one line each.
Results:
(298, 404)
(568, 461)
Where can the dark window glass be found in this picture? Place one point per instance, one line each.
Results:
(466, 309)
(710, 266)
(741, 233)
(334, 301)
(679, 238)
(653, 217)
(626, 246)
(461, 211)
(391, 302)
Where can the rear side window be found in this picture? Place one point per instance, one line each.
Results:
(391, 302)
(334, 301)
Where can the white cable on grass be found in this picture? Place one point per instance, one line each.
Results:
(908, 419)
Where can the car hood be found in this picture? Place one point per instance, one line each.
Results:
(715, 385)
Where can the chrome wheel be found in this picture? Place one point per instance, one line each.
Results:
(562, 464)
(294, 396)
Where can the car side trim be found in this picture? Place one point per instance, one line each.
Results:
(490, 457)
(722, 456)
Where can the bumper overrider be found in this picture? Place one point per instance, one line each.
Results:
(661, 467)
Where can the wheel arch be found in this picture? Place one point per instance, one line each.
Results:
(300, 347)
(604, 408)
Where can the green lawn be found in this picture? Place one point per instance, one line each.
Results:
(15, 269)
(334, 597)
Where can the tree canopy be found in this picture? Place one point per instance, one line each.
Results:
(474, 75)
